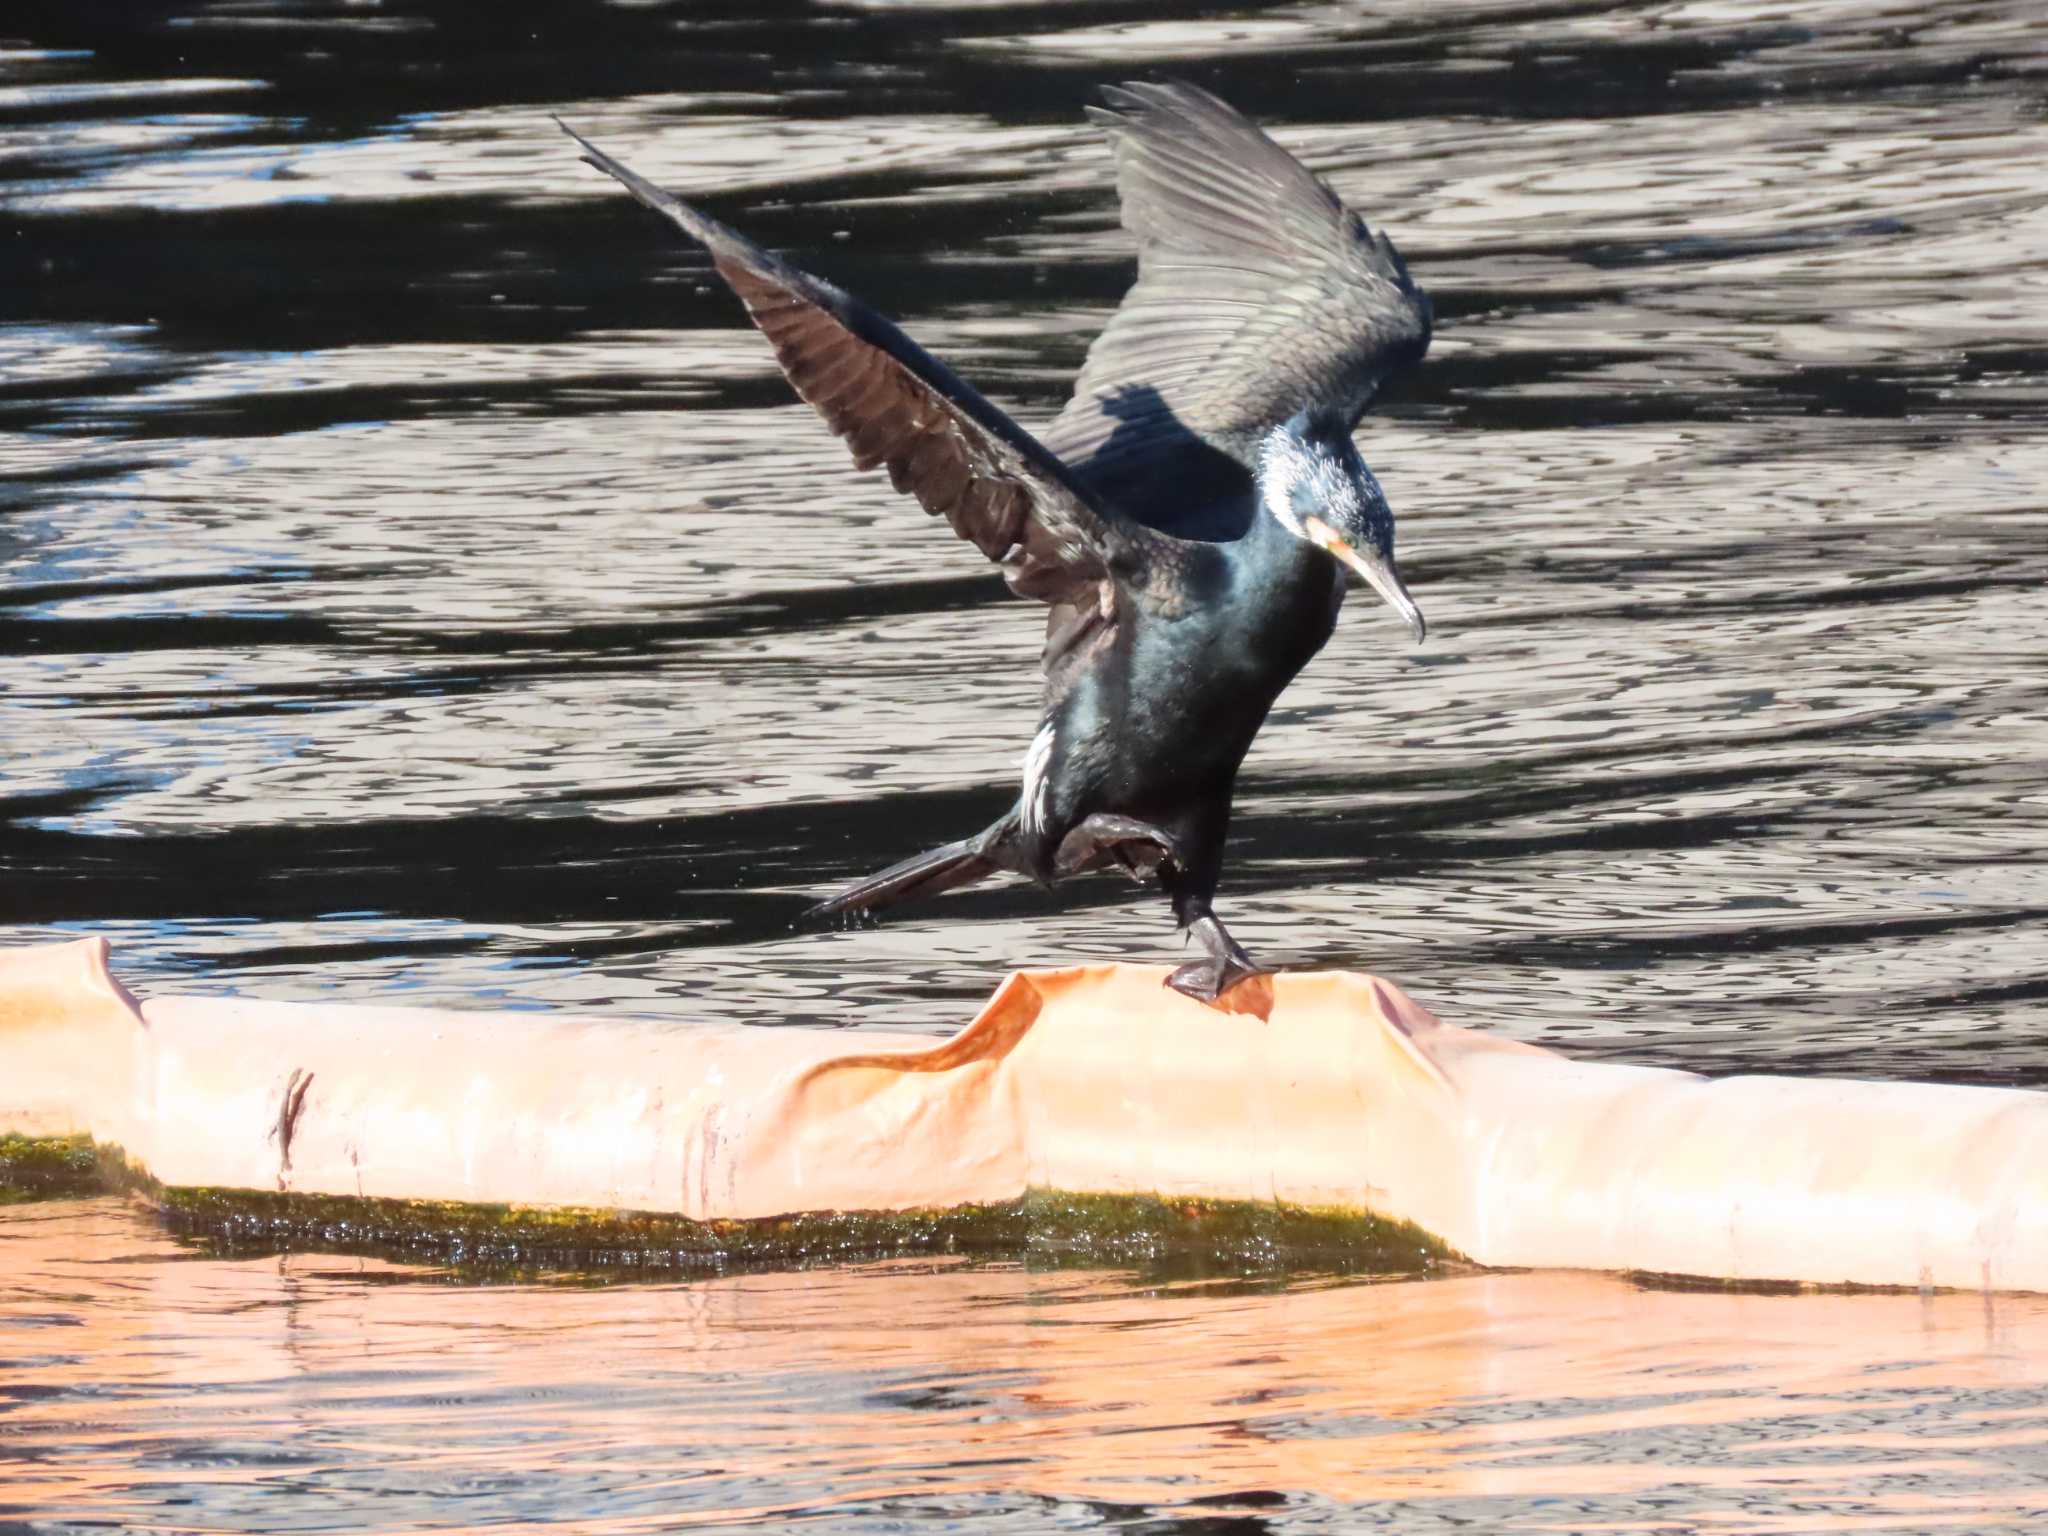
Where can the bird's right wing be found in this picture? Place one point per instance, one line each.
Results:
(1259, 295)
(899, 407)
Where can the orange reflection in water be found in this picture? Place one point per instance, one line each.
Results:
(144, 1384)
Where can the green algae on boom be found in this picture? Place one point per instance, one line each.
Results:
(1182, 1237)
(47, 1168)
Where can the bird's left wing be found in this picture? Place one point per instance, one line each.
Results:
(898, 406)
(1259, 295)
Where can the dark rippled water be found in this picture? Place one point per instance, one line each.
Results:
(419, 581)
(416, 583)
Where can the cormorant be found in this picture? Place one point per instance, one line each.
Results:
(1189, 516)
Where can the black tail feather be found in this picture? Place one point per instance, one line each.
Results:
(926, 874)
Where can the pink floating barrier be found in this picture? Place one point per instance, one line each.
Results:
(1332, 1091)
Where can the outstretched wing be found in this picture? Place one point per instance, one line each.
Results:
(899, 407)
(1259, 296)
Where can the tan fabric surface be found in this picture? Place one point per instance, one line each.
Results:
(1316, 1089)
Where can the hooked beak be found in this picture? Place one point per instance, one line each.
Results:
(1380, 574)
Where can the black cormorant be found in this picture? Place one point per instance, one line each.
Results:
(1188, 518)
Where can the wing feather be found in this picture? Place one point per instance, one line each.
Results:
(1259, 296)
(941, 441)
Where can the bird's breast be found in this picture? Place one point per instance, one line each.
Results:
(1158, 723)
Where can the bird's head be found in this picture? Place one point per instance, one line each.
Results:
(1315, 485)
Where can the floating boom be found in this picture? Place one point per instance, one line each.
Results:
(1331, 1090)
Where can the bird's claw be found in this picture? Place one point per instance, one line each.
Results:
(1223, 964)
(1208, 979)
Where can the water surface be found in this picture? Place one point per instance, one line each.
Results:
(153, 1390)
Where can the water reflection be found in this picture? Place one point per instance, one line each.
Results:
(146, 1387)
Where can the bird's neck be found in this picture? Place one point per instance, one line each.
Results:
(1275, 566)
(1297, 460)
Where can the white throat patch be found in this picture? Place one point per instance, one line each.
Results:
(1288, 469)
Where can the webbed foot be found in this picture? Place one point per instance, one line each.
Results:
(1223, 967)
(1137, 845)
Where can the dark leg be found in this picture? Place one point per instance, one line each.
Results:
(1189, 881)
(1224, 963)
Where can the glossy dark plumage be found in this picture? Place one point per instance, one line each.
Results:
(1188, 516)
